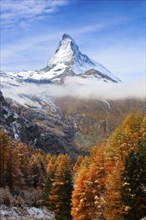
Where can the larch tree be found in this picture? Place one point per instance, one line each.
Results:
(77, 164)
(89, 187)
(79, 196)
(4, 145)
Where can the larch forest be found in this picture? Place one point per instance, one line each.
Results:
(107, 184)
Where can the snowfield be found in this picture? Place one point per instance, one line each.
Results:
(32, 213)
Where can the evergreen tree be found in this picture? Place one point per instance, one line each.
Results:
(38, 169)
(142, 149)
(59, 198)
(51, 168)
(133, 191)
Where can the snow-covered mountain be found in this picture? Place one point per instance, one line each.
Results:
(31, 89)
(67, 61)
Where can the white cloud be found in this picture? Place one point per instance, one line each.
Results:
(74, 87)
(13, 10)
(93, 89)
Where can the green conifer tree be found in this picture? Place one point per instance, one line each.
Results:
(133, 191)
(60, 188)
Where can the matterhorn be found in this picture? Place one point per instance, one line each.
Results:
(68, 61)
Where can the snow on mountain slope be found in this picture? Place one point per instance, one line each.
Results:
(26, 213)
(29, 95)
(67, 61)
(69, 55)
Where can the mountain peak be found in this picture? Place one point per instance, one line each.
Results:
(65, 52)
(67, 36)
(69, 61)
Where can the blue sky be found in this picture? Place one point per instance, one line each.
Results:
(110, 32)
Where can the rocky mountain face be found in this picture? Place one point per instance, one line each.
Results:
(79, 124)
(95, 120)
(15, 125)
(45, 131)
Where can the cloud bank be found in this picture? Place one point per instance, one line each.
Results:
(32, 94)
(92, 89)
